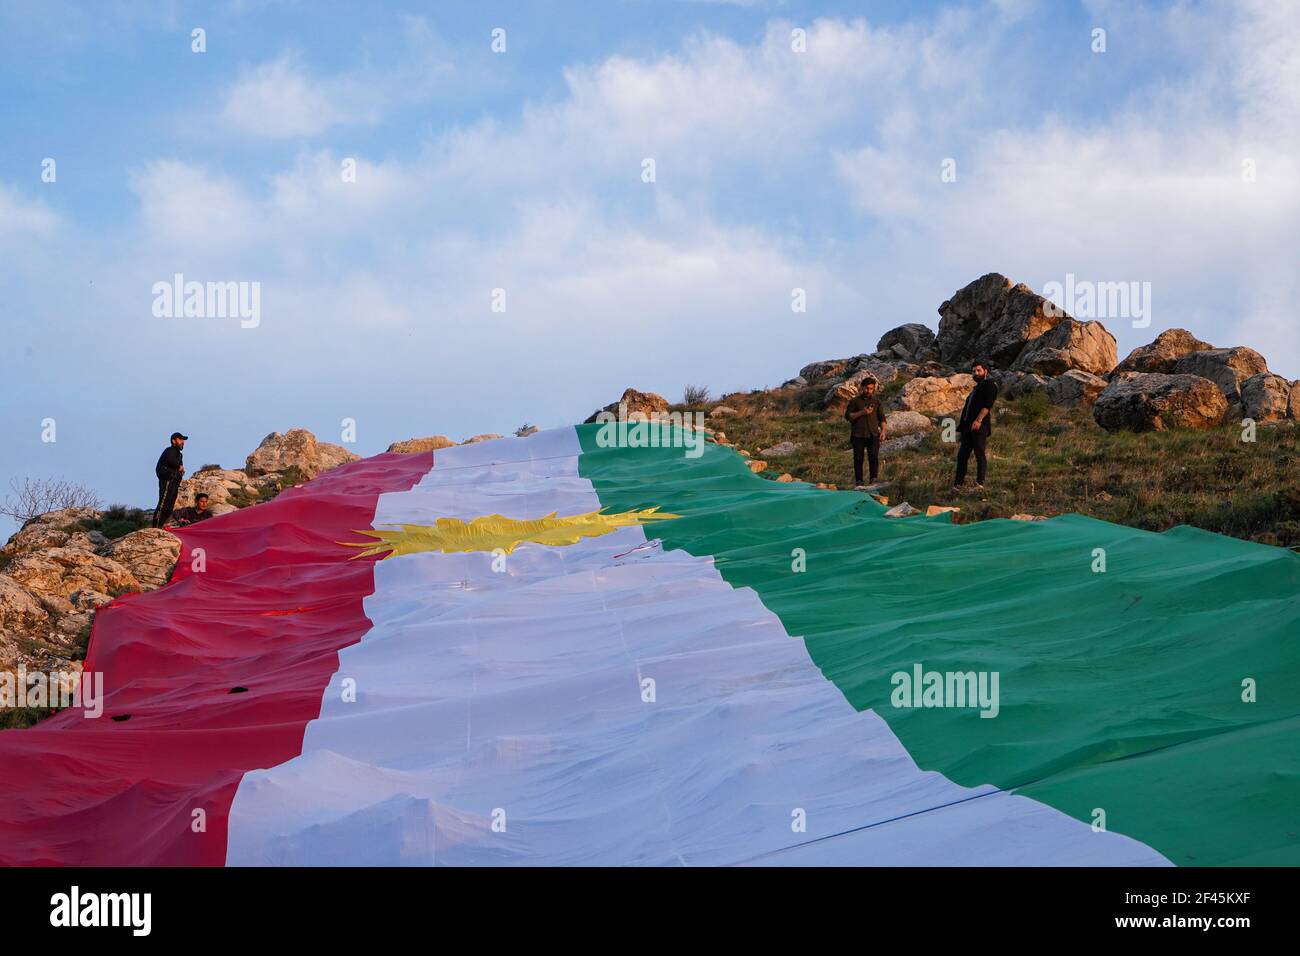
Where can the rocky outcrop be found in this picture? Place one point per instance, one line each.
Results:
(1014, 384)
(20, 611)
(220, 485)
(1151, 401)
(635, 405)
(1160, 355)
(935, 396)
(814, 373)
(911, 342)
(1226, 368)
(415, 446)
(1072, 344)
(1269, 398)
(1075, 388)
(487, 436)
(297, 449)
(148, 554)
(722, 411)
(992, 319)
(55, 575)
(55, 529)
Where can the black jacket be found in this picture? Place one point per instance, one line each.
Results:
(983, 395)
(169, 464)
(191, 515)
(869, 425)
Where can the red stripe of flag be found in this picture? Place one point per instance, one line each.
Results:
(276, 603)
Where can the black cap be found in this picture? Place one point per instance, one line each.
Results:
(180, 436)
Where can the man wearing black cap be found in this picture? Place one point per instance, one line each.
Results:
(169, 469)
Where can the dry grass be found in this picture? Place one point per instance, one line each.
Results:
(1046, 460)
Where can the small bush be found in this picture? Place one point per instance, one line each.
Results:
(1033, 407)
(695, 395)
(119, 520)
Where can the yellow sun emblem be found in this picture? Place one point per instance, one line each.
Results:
(491, 532)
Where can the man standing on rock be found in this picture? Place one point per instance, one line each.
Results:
(975, 426)
(169, 469)
(866, 418)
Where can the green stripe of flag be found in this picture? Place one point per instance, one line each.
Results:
(1119, 691)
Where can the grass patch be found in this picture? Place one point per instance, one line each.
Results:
(1048, 460)
(116, 521)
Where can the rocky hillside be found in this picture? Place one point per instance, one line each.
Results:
(1179, 432)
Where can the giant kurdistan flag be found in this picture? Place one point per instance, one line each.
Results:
(547, 651)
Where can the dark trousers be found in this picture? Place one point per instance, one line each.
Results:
(871, 445)
(167, 488)
(972, 442)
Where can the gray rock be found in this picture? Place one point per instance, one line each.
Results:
(1160, 355)
(1226, 368)
(907, 423)
(1075, 388)
(908, 341)
(992, 319)
(902, 443)
(1268, 398)
(1150, 401)
(1072, 344)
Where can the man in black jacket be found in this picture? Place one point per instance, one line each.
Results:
(194, 513)
(866, 419)
(169, 469)
(975, 426)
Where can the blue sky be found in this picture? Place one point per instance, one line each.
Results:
(521, 170)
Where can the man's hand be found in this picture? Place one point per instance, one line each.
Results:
(180, 470)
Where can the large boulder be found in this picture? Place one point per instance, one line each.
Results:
(1226, 368)
(296, 448)
(1268, 398)
(1151, 401)
(149, 554)
(814, 373)
(414, 446)
(907, 423)
(54, 529)
(1075, 388)
(1159, 356)
(486, 436)
(1015, 384)
(635, 405)
(915, 340)
(1072, 344)
(54, 575)
(935, 396)
(991, 319)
